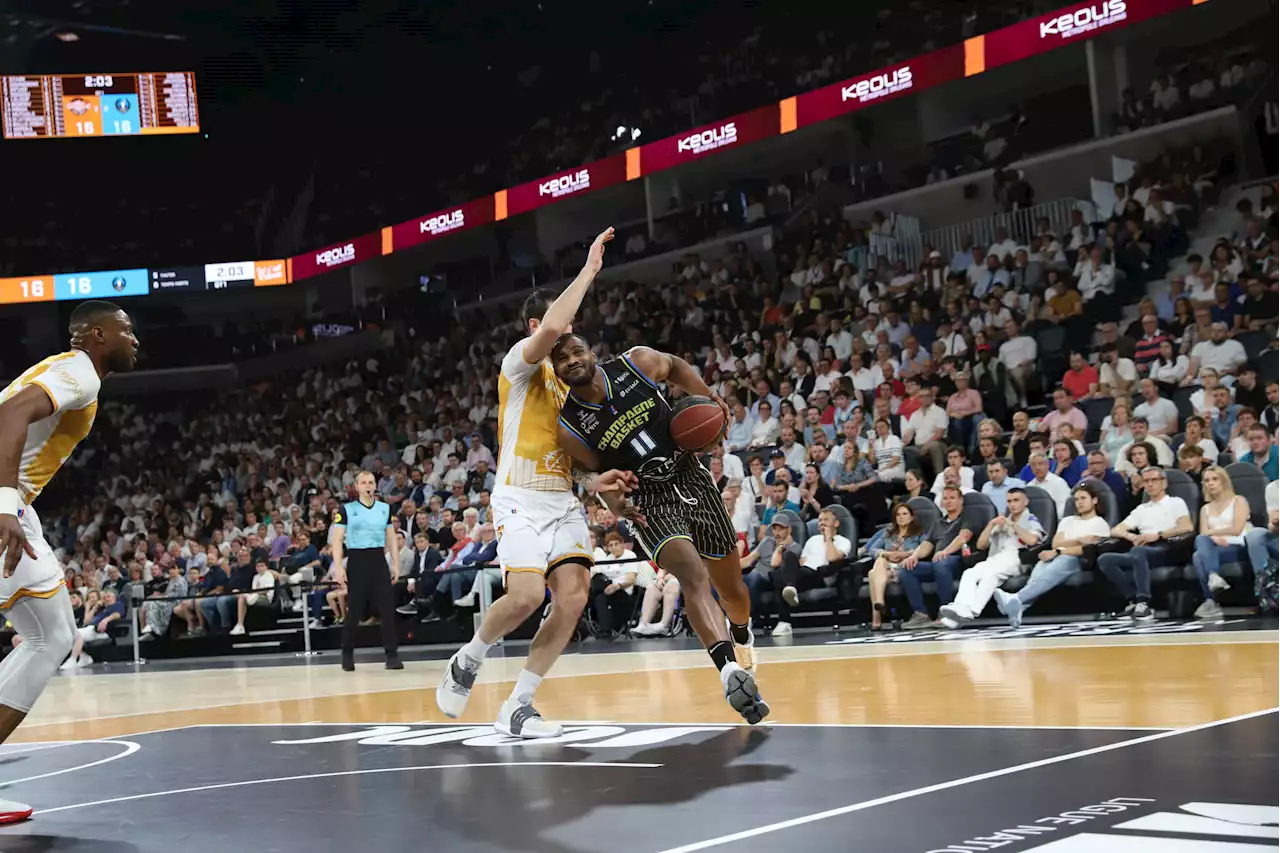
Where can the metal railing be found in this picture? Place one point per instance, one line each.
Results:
(1021, 225)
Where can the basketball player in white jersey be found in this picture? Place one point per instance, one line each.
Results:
(543, 541)
(44, 414)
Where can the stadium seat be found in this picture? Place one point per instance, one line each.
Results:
(979, 510)
(1180, 486)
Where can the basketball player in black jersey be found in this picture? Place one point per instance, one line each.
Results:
(616, 416)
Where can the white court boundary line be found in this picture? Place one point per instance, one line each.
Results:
(698, 661)
(954, 783)
(130, 749)
(247, 782)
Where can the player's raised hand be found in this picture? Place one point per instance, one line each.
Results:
(617, 481)
(595, 255)
(13, 543)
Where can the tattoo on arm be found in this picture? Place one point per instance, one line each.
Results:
(582, 476)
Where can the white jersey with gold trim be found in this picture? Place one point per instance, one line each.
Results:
(529, 401)
(72, 383)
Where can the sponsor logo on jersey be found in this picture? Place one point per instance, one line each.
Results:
(336, 256)
(566, 184)
(878, 85)
(442, 224)
(709, 140)
(1085, 20)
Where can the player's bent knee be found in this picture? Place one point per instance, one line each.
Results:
(32, 663)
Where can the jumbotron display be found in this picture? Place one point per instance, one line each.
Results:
(80, 105)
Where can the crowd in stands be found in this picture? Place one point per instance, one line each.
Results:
(856, 385)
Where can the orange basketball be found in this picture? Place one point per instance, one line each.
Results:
(696, 423)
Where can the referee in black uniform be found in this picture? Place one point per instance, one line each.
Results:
(363, 529)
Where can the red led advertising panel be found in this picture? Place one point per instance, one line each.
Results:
(686, 147)
(1070, 24)
(876, 87)
(592, 176)
(433, 225)
(344, 254)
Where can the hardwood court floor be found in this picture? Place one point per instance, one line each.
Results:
(1137, 681)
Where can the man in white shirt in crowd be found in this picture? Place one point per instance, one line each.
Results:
(951, 337)
(927, 430)
(826, 376)
(1116, 376)
(839, 339)
(1018, 355)
(792, 451)
(766, 430)
(1161, 414)
(999, 483)
(1094, 277)
(1058, 563)
(1160, 518)
(1141, 432)
(1003, 247)
(977, 266)
(1220, 352)
(731, 463)
(950, 480)
(1053, 485)
(791, 574)
(787, 391)
(738, 436)
(1003, 539)
(955, 462)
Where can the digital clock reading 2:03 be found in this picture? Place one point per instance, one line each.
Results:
(67, 286)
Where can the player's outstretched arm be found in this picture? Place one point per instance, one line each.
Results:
(676, 372)
(561, 313)
(20, 411)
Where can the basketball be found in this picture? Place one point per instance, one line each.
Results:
(696, 423)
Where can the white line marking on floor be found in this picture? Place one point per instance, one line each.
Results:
(954, 783)
(248, 782)
(130, 749)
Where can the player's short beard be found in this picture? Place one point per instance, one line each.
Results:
(579, 380)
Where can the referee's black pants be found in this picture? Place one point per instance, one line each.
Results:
(369, 582)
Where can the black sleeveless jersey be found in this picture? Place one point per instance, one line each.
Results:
(631, 430)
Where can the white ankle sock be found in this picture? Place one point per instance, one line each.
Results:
(476, 648)
(526, 685)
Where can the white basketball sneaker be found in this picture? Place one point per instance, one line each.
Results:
(455, 687)
(521, 719)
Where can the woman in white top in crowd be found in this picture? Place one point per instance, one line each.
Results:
(887, 450)
(1169, 368)
(754, 485)
(1224, 520)
(1116, 431)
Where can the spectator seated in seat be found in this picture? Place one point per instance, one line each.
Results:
(888, 548)
(613, 586)
(663, 592)
(263, 595)
(1003, 539)
(937, 558)
(792, 573)
(156, 614)
(1224, 523)
(94, 631)
(1055, 565)
(1148, 528)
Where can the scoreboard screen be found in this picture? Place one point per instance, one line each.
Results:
(77, 105)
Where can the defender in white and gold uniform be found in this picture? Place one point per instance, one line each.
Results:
(542, 532)
(539, 519)
(44, 414)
